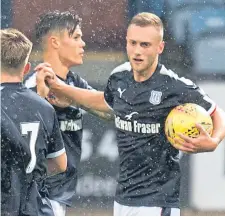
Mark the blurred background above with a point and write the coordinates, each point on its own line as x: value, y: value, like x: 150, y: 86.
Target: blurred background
x: 195, y: 48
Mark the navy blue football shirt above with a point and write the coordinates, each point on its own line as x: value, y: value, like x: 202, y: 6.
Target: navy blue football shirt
x: 29, y: 135
x: 62, y: 186
x: 149, y: 173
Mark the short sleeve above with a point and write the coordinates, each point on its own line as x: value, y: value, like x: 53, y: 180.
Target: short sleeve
x: 55, y: 145
x: 194, y: 94
x: 108, y: 93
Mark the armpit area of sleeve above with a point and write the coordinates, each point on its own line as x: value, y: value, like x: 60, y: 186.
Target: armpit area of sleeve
x: 56, y: 154
x: 107, y: 101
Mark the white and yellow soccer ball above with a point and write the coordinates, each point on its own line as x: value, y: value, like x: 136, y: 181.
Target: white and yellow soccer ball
x: 183, y: 119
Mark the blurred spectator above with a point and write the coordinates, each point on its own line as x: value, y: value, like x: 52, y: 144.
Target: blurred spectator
x: 6, y: 14
x: 152, y: 6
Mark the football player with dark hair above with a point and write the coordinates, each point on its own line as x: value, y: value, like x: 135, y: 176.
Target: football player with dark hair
x: 59, y: 35
x: 141, y: 93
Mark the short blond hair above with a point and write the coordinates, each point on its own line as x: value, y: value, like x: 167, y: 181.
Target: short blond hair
x: 147, y: 19
x: 15, y: 49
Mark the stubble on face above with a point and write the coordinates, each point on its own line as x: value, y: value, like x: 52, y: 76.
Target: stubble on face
x: 144, y: 67
x: 143, y: 48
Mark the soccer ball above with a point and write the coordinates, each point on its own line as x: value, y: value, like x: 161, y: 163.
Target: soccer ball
x: 183, y: 119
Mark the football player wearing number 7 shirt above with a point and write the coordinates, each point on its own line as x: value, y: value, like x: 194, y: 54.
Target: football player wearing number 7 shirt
x: 31, y: 141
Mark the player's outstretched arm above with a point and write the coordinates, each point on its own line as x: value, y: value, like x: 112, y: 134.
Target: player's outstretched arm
x: 62, y: 93
x: 62, y: 100
x: 109, y: 116
x: 89, y: 99
x: 205, y: 142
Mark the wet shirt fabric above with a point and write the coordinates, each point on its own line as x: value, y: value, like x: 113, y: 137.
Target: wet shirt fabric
x: 29, y: 135
x: 62, y: 187
x: 149, y: 172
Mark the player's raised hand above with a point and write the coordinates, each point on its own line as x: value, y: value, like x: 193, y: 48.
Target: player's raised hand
x: 42, y: 65
x: 203, y: 143
x: 54, y: 82
x: 46, y: 82
x: 43, y: 71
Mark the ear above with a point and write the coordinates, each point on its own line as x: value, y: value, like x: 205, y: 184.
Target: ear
x: 54, y: 42
x: 161, y: 47
x: 26, y: 69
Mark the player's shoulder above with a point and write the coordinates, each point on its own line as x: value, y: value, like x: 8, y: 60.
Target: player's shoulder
x: 37, y: 101
x: 30, y: 79
x: 174, y: 77
x: 72, y: 74
x: 121, y: 70
x: 74, y: 79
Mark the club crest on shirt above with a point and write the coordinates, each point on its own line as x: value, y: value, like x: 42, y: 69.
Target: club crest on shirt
x: 155, y: 97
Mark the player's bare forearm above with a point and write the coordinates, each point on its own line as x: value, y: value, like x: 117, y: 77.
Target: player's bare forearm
x: 90, y: 99
x: 108, y: 116
x: 218, y: 125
